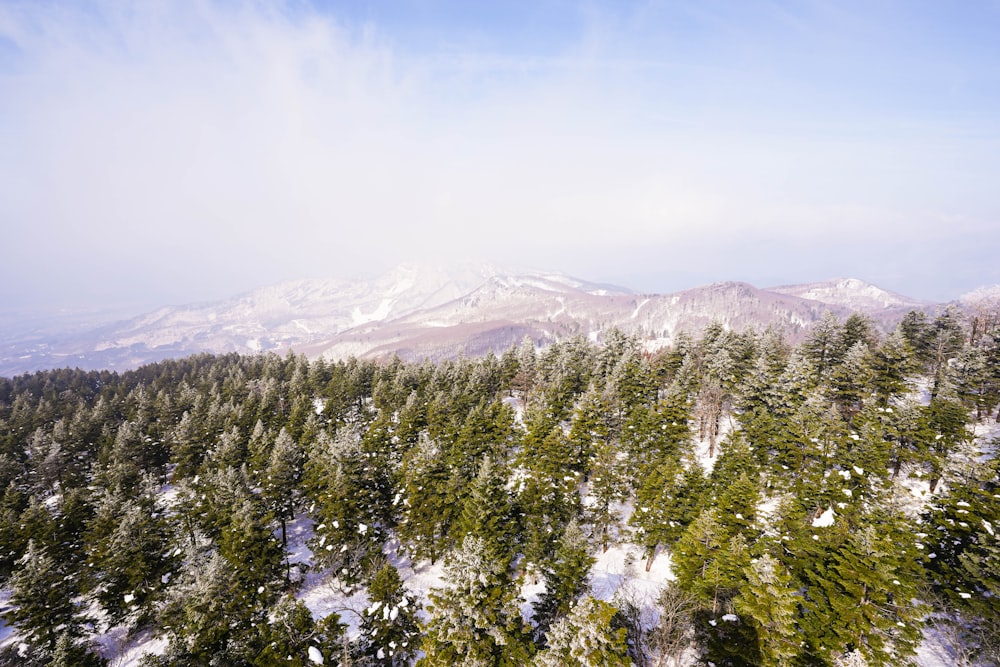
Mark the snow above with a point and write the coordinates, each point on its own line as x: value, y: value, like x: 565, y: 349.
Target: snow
x: 824, y: 520
x: 7, y: 635
x: 315, y: 656
x: 624, y: 565
x: 635, y: 313
x: 380, y: 313
x: 129, y: 652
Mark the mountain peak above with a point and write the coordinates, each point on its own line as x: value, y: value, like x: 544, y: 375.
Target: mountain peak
x: 852, y: 293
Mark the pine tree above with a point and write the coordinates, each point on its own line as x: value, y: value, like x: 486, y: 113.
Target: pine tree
x: 42, y: 600
x: 769, y: 602
x: 891, y: 365
x: 709, y: 562
x: 823, y: 345
x: 860, y: 595
x: 586, y: 638
x: 566, y: 577
x: 291, y: 636
x: 607, y: 486
x: 425, y: 513
x: 389, y: 632
x: 208, y: 613
x: 475, y: 619
x: 130, y: 551
x: 962, y: 531
x: 282, y: 480
x: 487, y: 512
x: 666, y: 503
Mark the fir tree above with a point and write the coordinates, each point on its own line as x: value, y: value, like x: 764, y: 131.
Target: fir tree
x: 389, y: 632
x: 475, y: 619
x: 43, y: 590
x: 586, y: 638
x: 131, y: 553
x: 769, y: 602
x: 291, y: 637
x: 566, y: 577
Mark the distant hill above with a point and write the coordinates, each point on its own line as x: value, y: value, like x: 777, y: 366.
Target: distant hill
x: 417, y: 311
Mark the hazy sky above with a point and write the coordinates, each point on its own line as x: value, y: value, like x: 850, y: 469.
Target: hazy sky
x: 165, y: 152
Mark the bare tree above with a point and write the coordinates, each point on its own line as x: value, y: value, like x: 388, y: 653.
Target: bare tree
x: 674, y: 632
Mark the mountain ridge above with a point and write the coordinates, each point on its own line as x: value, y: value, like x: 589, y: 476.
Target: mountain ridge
x: 421, y: 311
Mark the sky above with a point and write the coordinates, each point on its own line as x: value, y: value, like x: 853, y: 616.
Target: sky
x: 156, y: 152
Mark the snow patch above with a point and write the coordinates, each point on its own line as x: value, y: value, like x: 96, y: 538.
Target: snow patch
x: 824, y: 520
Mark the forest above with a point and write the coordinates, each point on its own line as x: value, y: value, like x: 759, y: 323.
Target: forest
x: 828, y: 502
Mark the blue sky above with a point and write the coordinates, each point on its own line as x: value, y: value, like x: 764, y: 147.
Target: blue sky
x: 165, y: 152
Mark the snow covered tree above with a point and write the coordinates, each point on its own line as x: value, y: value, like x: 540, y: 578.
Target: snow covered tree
x: 291, y: 637
x: 586, y: 638
x: 248, y: 543
x: 892, y: 365
x: 962, y: 533
x: 389, y: 632
x: 131, y: 552
x: 487, y: 511
x: 351, y: 498
x: 209, y: 615
x: 425, y: 511
x: 43, y: 606
x: 860, y: 593
x: 823, y: 347
x: 769, y: 602
x: 566, y: 577
x: 476, y: 619
x: 607, y: 486
x: 282, y: 483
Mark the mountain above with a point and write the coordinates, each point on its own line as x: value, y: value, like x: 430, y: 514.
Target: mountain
x: 270, y: 318
x: 851, y: 293
x: 505, y: 310
x: 417, y: 311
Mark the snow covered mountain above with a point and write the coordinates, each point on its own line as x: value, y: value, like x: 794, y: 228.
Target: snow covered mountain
x: 502, y: 312
x: 417, y: 311
x: 850, y: 293
x: 276, y: 317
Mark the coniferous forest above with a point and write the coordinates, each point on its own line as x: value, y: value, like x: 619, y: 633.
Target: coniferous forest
x: 830, y: 502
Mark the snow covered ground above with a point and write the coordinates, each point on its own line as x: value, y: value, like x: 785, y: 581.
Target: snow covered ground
x: 6, y: 632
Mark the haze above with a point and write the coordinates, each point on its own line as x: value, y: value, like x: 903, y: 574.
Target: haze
x: 169, y: 152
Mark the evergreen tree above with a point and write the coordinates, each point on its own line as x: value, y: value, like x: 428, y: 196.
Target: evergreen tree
x: 43, y: 591
x: 389, y: 632
x: 248, y: 543
x: 769, y: 602
x: 487, y: 512
x: 282, y: 483
x: 130, y: 551
x: 586, y: 637
x: 291, y: 637
x: 607, y: 486
x: 860, y: 595
x: 566, y: 577
x: 962, y: 528
x: 891, y: 365
x: 209, y: 614
x: 666, y: 503
x: 424, y: 507
x: 475, y: 619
